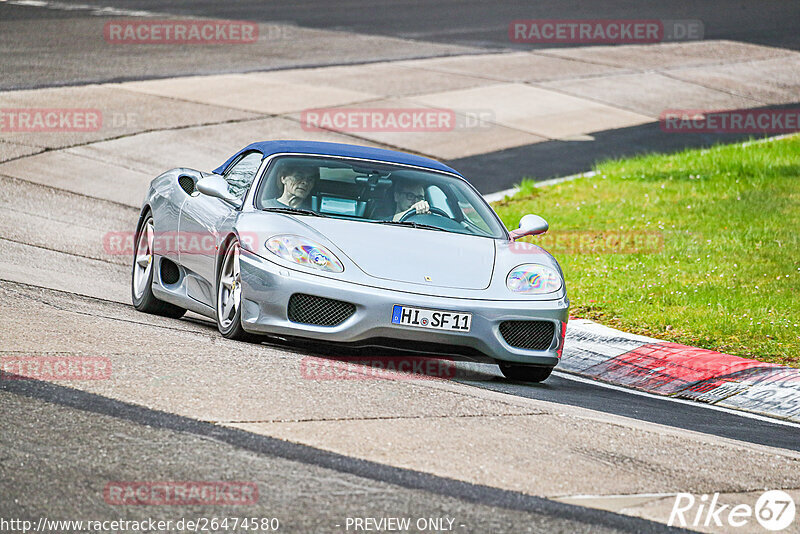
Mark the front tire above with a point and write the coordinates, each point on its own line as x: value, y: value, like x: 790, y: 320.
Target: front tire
x: 229, y: 296
x: 142, y: 275
x: 525, y: 373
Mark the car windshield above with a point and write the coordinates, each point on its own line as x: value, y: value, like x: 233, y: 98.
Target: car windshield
x: 376, y: 193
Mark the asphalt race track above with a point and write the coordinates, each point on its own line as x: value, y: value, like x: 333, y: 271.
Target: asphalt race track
x: 459, y: 27
x: 306, y: 488
x: 186, y: 404
x: 312, y: 33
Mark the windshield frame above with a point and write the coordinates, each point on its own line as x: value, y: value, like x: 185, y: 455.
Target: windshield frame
x: 250, y: 203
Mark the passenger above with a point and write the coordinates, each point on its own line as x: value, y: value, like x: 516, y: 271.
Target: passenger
x: 297, y: 182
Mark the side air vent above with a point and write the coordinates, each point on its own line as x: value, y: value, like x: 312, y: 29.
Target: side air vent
x: 170, y: 273
x: 319, y: 311
x: 531, y: 335
x: 186, y: 183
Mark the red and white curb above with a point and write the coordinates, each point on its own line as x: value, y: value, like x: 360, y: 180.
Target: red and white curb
x: 664, y: 368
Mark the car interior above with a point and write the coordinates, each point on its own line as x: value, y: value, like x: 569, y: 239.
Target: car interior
x: 366, y: 192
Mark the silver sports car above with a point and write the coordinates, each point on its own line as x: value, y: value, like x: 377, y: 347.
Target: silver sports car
x: 352, y: 245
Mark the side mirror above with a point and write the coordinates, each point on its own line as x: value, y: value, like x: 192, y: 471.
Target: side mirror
x: 529, y: 225
x: 216, y: 186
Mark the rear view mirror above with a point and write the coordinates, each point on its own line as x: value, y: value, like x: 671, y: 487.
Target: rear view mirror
x: 529, y: 225
x: 216, y: 186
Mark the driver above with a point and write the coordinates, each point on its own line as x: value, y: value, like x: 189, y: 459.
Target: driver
x: 297, y: 182
x: 410, y: 196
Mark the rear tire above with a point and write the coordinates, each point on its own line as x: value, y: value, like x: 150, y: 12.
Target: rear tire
x: 142, y: 275
x: 525, y: 373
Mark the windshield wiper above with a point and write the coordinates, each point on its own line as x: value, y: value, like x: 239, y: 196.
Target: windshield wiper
x: 412, y: 225
x: 295, y: 211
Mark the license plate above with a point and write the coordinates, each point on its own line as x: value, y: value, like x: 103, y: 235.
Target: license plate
x: 434, y: 319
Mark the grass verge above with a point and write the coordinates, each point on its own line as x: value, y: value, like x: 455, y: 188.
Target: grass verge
x: 700, y: 247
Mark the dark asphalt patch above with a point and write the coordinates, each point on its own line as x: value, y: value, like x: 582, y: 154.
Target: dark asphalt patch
x: 485, y: 24
x: 697, y: 418
x: 501, y: 170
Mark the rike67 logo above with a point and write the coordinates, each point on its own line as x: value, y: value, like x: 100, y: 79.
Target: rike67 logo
x: 774, y: 511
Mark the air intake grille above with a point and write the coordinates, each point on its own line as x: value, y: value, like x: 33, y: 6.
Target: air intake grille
x: 186, y: 183
x: 534, y: 335
x: 309, y: 309
x: 169, y: 271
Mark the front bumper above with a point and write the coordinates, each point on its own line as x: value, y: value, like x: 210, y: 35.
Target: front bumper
x: 267, y: 287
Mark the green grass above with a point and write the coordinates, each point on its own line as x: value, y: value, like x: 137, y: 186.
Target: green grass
x: 727, y: 277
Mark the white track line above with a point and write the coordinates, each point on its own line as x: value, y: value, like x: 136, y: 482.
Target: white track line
x: 500, y: 195
x: 616, y: 496
x: 749, y: 415
x: 93, y: 10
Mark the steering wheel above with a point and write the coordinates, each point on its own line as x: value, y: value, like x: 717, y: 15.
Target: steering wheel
x: 431, y: 209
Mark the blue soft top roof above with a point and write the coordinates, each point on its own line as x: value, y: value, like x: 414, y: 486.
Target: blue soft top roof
x: 338, y: 149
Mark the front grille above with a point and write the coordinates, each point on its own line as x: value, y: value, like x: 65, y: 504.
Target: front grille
x: 310, y: 309
x: 533, y: 335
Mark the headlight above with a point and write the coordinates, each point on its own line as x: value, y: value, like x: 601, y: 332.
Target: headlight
x: 533, y: 278
x: 304, y: 251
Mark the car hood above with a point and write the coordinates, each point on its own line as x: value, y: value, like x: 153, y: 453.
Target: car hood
x: 413, y: 255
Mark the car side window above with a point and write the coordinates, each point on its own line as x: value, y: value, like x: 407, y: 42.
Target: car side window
x: 241, y: 174
x: 468, y: 212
